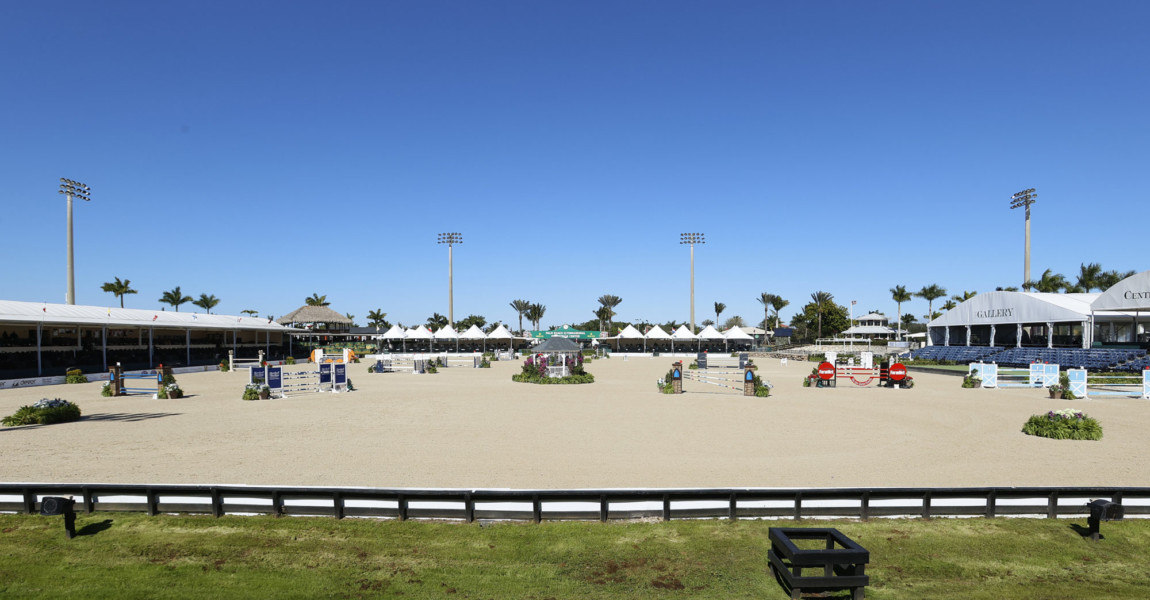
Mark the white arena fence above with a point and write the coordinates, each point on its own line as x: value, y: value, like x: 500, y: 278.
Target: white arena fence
x: 583, y: 504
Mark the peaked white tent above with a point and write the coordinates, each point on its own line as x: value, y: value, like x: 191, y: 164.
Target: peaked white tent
x: 657, y: 333
x: 446, y: 333
x: 501, y: 333
x: 735, y: 334
x: 474, y: 333
x: 395, y: 333
x: 710, y: 333
x: 682, y: 334
x: 630, y: 333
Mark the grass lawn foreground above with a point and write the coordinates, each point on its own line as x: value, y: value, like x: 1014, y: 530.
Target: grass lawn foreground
x: 120, y: 555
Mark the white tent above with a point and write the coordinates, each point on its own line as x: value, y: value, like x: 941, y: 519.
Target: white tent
x: 446, y: 333
x: 630, y: 333
x: 657, y: 333
x: 735, y: 333
x: 501, y: 333
x: 682, y: 334
x: 1130, y: 294
x: 474, y: 333
x: 395, y: 333
x: 710, y: 333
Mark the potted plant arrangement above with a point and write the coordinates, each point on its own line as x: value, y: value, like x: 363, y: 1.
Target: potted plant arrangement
x: 170, y: 391
x: 1062, y: 389
x: 256, y: 391
x: 971, y: 380
x: 1065, y: 424
x: 44, y: 412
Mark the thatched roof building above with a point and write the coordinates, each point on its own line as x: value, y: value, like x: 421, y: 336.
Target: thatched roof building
x: 316, y: 314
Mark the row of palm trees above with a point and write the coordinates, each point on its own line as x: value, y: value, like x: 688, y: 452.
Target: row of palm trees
x: 533, y: 311
x: 1090, y: 277
x: 174, y: 297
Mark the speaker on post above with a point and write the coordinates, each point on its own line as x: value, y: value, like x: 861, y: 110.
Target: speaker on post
x: 56, y: 505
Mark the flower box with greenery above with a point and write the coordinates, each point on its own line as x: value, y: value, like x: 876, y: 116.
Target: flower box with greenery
x: 289, y: 360
x: 44, y: 412
x: 1065, y: 424
x: 224, y: 366
x: 256, y: 391
x: 106, y: 391
x: 75, y: 376
x: 1061, y: 391
x: 971, y: 380
x: 170, y: 391
x: 535, y: 371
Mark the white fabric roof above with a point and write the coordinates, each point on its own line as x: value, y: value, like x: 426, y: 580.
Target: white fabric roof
x: 446, y: 333
x: 1000, y: 308
x: 735, y: 333
x: 395, y: 333
x: 419, y: 333
x: 868, y: 330
x: 500, y: 333
x: 629, y: 333
x: 682, y: 333
x: 14, y: 311
x: 872, y: 317
x: 710, y: 333
x: 657, y: 333
x: 1130, y: 294
x: 473, y: 333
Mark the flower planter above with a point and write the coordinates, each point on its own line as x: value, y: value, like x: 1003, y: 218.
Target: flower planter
x: 1056, y: 393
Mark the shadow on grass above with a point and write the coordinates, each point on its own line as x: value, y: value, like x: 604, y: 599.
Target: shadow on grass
x: 94, y: 528
x: 1085, y: 531
x: 128, y: 416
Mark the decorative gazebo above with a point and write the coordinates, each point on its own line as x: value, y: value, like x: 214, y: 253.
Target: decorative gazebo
x: 558, y: 350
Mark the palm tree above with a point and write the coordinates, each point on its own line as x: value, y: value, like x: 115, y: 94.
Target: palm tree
x: 931, y: 293
x: 376, y: 318
x: 118, y: 288
x: 521, y: 307
x: 604, y: 314
x: 949, y: 304
x: 437, y: 321
x: 535, y: 314
x: 964, y: 297
x: 719, y: 308
x: 175, y: 297
x: 317, y: 300
x: 1109, y: 278
x: 1009, y: 288
x: 1049, y: 283
x: 767, y: 300
x: 250, y: 312
x: 899, y: 294
x: 351, y: 317
x: 822, y: 302
x: 609, y: 301
x: 207, y: 302
x: 778, y: 304
x: 1088, y: 276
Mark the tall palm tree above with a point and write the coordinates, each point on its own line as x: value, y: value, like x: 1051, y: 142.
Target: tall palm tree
x: 317, y: 300
x: 778, y: 304
x: 175, y: 297
x: 437, y: 321
x: 930, y: 293
x: 949, y: 304
x: 1088, y: 276
x: 604, y: 314
x: 207, y: 302
x: 376, y: 318
x: 719, y: 308
x: 1109, y: 278
x: 521, y: 307
x: 965, y: 296
x: 250, y: 312
x: 118, y: 288
x: 767, y: 300
x: 351, y: 317
x: 899, y: 294
x: 610, y: 302
x: 822, y: 302
x: 535, y: 314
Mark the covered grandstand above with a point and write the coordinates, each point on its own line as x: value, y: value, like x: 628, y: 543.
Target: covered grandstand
x: 40, y: 339
x: 1098, y: 331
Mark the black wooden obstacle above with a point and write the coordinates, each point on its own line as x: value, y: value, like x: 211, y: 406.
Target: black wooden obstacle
x: 841, y: 562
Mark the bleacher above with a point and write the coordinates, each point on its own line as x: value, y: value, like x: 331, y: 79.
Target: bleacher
x: 958, y: 354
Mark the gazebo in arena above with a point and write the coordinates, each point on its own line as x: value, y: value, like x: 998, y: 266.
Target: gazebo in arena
x: 558, y: 350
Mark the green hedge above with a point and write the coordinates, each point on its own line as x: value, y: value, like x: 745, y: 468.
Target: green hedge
x: 44, y: 412
x: 1065, y: 424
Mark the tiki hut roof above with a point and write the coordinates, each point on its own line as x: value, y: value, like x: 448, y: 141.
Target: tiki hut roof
x: 313, y: 314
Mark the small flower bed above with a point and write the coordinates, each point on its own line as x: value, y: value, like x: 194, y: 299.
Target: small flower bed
x: 1065, y: 424
x: 75, y: 376
x: 170, y: 391
x: 535, y: 371
x: 44, y: 412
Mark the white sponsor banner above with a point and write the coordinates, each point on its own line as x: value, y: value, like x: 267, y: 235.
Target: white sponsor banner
x: 7, y: 384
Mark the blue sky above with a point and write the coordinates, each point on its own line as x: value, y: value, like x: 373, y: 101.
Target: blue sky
x: 265, y: 151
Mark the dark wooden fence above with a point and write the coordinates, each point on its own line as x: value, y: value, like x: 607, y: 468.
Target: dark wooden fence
x: 602, y: 505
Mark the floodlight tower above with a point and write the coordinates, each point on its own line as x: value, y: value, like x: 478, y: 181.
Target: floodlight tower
x: 692, y: 239
x: 450, y: 239
x: 72, y: 188
x: 1024, y: 199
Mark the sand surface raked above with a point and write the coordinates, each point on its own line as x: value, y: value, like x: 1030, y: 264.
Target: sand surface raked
x: 467, y: 427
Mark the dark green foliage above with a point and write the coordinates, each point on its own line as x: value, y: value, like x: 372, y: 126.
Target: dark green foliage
x: 44, y: 412
x: 75, y: 376
x: 1066, y: 424
x: 224, y: 368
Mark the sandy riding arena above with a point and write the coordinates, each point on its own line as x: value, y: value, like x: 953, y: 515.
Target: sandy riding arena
x: 466, y: 427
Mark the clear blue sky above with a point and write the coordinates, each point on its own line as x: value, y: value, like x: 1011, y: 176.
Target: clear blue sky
x: 263, y: 151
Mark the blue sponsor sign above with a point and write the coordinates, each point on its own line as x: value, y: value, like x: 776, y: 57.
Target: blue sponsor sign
x: 258, y: 375
x: 340, y: 374
x: 324, y: 373
x: 275, y: 378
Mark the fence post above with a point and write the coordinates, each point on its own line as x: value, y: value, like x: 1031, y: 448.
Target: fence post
x: 217, y: 503
x: 337, y: 504
x: 402, y: 507
x: 1052, y: 505
x: 798, y: 506
x: 864, y: 509
x: 89, y: 504
x: 277, y: 504
x: 536, y: 508
x: 153, y: 500
x: 469, y: 507
x: 926, y: 505
x: 29, y: 501
x: 732, y: 511
x: 666, y: 507
x: 603, y: 508
x: 991, y: 503
x: 231, y: 360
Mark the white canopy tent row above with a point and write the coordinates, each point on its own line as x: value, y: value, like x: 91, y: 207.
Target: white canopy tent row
x: 1035, y: 319
x: 446, y: 335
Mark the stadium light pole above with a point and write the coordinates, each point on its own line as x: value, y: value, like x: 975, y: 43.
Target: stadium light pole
x: 78, y: 190
x: 692, y: 239
x: 450, y: 239
x: 1024, y: 199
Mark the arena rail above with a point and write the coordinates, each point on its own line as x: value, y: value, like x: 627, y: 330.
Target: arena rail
x: 583, y: 504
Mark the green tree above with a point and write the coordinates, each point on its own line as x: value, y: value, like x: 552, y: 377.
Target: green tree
x: 735, y: 321
x: 604, y: 314
x: 175, y: 298
x: 778, y: 303
x: 1049, y: 283
x: 930, y: 293
x: 1109, y: 278
x: 521, y: 307
x: 822, y: 302
x: 317, y: 300
x: 768, y: 302
x: 377, y: 319
x: 535, y: 314
x: 207, y: 302
x: 119, y: 289
x: 351, y: 317
x: 250, y: 312
x: 466, y: 324
x: 1089, y: 276
x: 899, y: 294
x: 437, y: 321
x: 610, y: 302
x: 949, y: 304
x: 719, y: 308
x: 821, y: 312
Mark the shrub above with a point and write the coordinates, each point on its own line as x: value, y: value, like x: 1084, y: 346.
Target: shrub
x: 431, y: 368
x: 289, y: 360
x: 252, y: 391
x: 169, y: 379
x: 762, y: 390
x: 693, y: 365
x: 970, y: 380
x: 666, y: 384
x: 485, y: 363
x: 75, y: 376
x: 820, y: 357
x: 1065, y: 424
x: 44, y: 412
x: 170, y: 391
x: 106, y: 391
x: 224, y: 366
